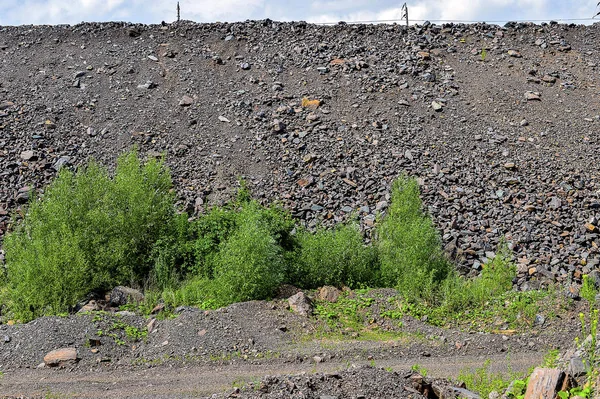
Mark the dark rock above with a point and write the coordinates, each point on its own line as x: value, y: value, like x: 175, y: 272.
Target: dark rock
x: 120, y: 296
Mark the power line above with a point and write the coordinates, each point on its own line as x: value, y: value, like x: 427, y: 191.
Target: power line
x: 455, y: 21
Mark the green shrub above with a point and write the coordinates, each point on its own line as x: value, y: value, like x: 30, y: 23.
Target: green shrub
x: 333, y: 257
x: 189, y: 249
x: 89, y: 232
x: 250, y: 264
x: 409, y: 246
x: 495, y: 279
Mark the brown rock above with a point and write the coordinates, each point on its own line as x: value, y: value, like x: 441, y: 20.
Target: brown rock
x: 544, y: 383
x: 151, y: 326
x: 61, y: 356
x: 91, y: 306
x: 591, y: 228
x: 28, y: 155
x: 158, y: 308
x: 328, y: 293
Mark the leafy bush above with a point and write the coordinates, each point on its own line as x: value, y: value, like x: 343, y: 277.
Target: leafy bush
x: 89, y: 232
x: 333, y: 257
x: 190, y: 248
x: 250, y: 264
x: 495, y: 279
x: 409, y: 246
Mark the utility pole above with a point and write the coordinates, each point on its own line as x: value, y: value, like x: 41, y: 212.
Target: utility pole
x: 178, y: 12
x: 405, y: 13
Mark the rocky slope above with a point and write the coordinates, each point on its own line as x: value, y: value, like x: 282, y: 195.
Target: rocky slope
x: 503, y: 142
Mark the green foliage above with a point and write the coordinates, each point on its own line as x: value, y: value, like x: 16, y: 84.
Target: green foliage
x: 589, y: 291
x: 92, y: 231
x: 417, y: 368
x: 483, y: 381
x: 135, y: 334
x: 495, y: 279
x: 589, y: 329
x: 583, y: 392
x: 347, y: 311
x: 89, y: 232
x: 409, y: 246
x: 551, y: 358
x: 333, y: 257
x: 250, y: 264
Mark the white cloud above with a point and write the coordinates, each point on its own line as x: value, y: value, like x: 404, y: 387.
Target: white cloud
x: 208, y: 11
x: 16, y: 12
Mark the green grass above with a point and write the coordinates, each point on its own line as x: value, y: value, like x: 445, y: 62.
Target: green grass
x: 483, y: 381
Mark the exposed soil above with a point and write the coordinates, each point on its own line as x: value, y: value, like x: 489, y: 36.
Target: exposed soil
x: 199, y: 353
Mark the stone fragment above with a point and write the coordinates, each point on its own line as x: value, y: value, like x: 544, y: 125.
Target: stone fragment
x: 278, y: 126
x: 532, y: 96
x: 146, y: 86
x: 28, y: 155
x: 186, y: 101
x: 151, y: 326
x: 437, y: 106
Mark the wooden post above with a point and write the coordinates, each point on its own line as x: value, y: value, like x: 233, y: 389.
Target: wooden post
x: 405, y: 13
x: 178, y: 12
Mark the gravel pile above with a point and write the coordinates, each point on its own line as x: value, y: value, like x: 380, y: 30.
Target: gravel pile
x: 362, y: 382
x: 323, y: 119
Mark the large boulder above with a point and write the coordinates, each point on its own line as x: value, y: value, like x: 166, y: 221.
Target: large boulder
x: 120, y: 296
x: 328, y: 293
x: 59, y: 357
x: 301, y: 304
x: 544, y: 383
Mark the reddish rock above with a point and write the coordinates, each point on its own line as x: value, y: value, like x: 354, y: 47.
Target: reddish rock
x: 328, y: 293
x: 61, y: 356
x: 544, y: 383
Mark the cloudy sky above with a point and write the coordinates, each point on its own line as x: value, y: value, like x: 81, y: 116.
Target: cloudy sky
x: 18, y: 12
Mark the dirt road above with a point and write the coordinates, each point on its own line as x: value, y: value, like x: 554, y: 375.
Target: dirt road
x: 200, y: 381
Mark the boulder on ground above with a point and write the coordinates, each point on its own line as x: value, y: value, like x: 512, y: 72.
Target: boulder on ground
x: 328, y: 293
x: 120, y: 296
x: 60, y: 356
x: 301, y: 304
x: 544, y: 383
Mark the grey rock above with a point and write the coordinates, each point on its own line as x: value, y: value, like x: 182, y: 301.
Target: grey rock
x: 120, y: 296
x: 301, y: 304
